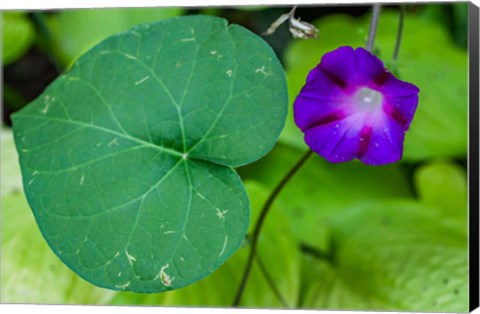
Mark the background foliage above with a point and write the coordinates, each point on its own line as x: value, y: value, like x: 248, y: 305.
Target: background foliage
x: 340, y: 236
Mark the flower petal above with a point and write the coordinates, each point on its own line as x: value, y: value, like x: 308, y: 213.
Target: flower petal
x: 401, y: 109
x: 390, y: 86
x: 369, y: 67
x: 337, y: 141
x: 340, y: 66
x: 385, y: 143
x: 319, y: 101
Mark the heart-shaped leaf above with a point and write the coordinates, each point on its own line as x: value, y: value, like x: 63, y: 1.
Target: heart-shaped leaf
x: 127, y: 159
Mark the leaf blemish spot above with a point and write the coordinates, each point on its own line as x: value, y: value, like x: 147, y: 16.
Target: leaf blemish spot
x: 169, y: 232
x: 164, y: 278
x: 130, y: 258
x: 229, y: 72
x: 224, y: 246
x: 262, y: 70
x: 129, y: 56
x: 47, y: 99
x: 45, y: 109
x: 82, y: 178
x: 221, y: 213
x: 142, y: 80
x: 123, y: 286
x: 113, y: 142
x: 184, y: 156
x: 212, y: 52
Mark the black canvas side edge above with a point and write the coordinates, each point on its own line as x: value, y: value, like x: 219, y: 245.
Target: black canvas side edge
x: 474, y: 236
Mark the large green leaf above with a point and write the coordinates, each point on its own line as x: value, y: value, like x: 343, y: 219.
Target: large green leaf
x: 76, y: 31
x: 393, y: 256
x: 126, y: 160
x: 428, y: 58
x: 17, y: 35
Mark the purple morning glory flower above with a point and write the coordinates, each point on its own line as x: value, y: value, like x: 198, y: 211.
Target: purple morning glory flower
x: 353, y: 108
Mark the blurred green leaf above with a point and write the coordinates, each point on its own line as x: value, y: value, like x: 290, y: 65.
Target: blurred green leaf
x: 460, y: 19
x: 76, y: 31
x: 251, y: 7
x: 323, y: 288
x: 394, y: 256
x: 439, y: 128
x: 320, y: 188
x: 437, y: 13
x: 28, y: 266
x: 11, y: 178
x: 443, y: 185
x: 219, y: 289
x: 428, y: 59
x: 18, y: 34
x: 453, y: 16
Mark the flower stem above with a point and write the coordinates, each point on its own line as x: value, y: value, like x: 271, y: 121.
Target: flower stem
x: 260, y: 221
x: 271, y: 283
x: 43, y: 29
x: 399, y: 34
x: 373, y: 26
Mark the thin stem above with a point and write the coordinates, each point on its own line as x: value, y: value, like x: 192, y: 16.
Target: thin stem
x: 399, y: 33
x: 261, y: 219
x: 373, y: 26
x: 41, y: 23
x: 292, y: 11
x: 271, y: 283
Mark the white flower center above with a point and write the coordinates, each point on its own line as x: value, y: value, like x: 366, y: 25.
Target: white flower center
x: 368, y: 99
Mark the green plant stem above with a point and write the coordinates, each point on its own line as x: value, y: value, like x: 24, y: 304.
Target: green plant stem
x: 43, y: 29
x: 373, y: 26
x: 271, y: 283
x: 399, y: 34
x: 260, y: 221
